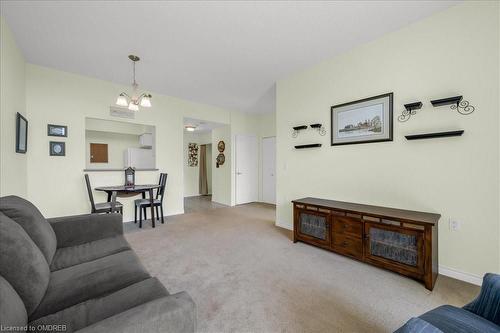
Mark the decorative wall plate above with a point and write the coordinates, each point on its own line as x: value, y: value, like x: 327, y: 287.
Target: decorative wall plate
x: 220, y: 160
x: 221, y: 146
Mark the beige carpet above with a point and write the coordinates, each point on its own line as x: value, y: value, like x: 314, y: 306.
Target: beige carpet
x: 246, y: 275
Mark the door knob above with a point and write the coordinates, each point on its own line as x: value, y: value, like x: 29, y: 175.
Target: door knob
x: 239, y: 173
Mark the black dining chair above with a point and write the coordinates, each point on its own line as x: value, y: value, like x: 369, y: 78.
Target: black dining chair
x: 143, y: 204
x: 104, y: 207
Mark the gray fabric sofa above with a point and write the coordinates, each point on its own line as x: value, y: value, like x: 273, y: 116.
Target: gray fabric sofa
x: 79, y: 274
x: 482, y: 315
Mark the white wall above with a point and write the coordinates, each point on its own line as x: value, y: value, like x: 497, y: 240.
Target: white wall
x: 209, y: 165
x: 116, y: 126
x: 12, y: 100
x: 454, y: 52
x: 222, y: 176
x: 117, y: 143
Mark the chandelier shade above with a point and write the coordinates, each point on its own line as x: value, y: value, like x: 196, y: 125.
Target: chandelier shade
x: 146, y: 101
x: 122, y: 100
x: 133, y: 102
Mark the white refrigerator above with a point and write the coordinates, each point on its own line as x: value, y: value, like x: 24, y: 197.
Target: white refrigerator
x: 139, y: 158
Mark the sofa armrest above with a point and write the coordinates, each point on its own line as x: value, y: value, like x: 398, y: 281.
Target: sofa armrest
x: 487, y: 303
x: 80, y: 229
x: 174, y: 313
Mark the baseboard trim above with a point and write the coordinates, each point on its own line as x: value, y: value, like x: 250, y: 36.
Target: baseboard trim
x: 462, y: 276
x: 284, y: 225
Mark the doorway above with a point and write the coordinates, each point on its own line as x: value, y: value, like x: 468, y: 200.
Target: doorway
x: 199, y: 165
x: 246, y: 178
x: 269, y: 170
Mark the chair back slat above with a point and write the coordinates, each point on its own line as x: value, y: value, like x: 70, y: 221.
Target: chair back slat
x: 163, y: 184
x: 158, y: 190
x: 89, y: 190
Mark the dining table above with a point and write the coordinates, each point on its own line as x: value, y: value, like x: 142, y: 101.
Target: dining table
x: 129, y: 191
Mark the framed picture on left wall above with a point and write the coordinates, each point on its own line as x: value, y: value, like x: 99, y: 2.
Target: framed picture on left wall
x: 57, y: 130
x: 21, y: 134
x: 57, y: 148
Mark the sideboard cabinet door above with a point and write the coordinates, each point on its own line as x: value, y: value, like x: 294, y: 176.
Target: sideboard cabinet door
x: 394, y: 247
x: 313, y: 226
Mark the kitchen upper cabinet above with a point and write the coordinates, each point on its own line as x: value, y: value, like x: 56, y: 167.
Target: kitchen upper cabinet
x: 146, y: 140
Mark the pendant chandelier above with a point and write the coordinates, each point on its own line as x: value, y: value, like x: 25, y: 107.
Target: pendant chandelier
x: 133, y: 102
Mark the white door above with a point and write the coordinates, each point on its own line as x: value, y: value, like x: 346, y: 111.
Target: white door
x: 269, y: 170
x: 246, y: 169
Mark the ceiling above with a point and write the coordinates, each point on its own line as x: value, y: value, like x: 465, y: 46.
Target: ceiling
x: 201, y: 126
x: 227, y: 54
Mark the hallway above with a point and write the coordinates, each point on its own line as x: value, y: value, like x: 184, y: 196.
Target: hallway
x: 200, y: 203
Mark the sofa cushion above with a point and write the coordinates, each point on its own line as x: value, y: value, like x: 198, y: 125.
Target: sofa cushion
x: 79, y: 283
x: 450, y: 319
x: 22, y: 263
x: 74, y: 255
x: 12, y: 309
x: 417, y: 325
x: 487, y: 304
x: 36, y: 226
x: 97, y: 309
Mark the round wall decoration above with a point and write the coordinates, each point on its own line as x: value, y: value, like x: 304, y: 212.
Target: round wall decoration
x: 220, y: 160
x: 221, y: 146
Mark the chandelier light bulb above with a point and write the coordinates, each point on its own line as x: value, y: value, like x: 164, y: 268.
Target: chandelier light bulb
x: 122, y: 100
x: 133, y: 107
x: 146, y: 101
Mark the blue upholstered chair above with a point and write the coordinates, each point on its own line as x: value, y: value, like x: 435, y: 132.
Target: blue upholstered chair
x: 480, y: 316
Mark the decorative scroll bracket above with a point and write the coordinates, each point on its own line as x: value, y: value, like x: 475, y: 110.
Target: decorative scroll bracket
x: 463, y: 107
x: 410, y: 110
x: 456, y: 103
x: 297, y: 129
x: 319, y: 127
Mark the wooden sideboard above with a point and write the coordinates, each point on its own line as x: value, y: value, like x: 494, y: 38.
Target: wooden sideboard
x: 402, y: 241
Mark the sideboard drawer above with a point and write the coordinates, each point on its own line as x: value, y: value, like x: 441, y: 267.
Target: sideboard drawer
x: 348, y: 246
x: 347, y: 226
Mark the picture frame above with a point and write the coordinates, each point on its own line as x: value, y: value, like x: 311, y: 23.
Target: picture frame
x: 57, y: 148
x: 21, y: 134
x: 193, y: 154
x: 57, y: 130
x: 363, y: 121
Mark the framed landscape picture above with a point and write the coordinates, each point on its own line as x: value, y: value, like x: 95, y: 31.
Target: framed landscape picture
x: 362, y: 121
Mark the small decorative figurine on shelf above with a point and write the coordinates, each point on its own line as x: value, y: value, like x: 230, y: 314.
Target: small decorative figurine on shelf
x: 129, y: 177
